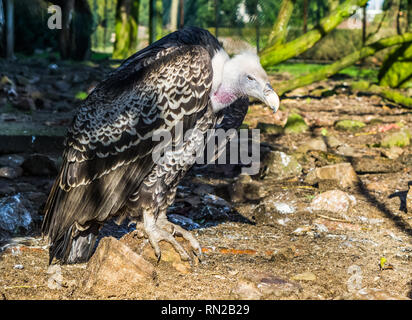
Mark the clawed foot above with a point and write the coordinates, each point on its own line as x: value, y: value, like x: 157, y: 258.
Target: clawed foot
x: 162, y: 229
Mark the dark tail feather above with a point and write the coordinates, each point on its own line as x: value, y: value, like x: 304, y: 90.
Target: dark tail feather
x: 79, y: 249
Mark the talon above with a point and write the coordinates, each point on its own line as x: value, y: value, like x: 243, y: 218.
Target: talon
x: 162, y: 229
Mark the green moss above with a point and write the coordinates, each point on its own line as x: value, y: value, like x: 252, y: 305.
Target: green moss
x: 295, y: 124
x: 349, y: 125
x: 397, y: 69
x: 81, y: 95
x: 400, y: 138
x: 269, y: 128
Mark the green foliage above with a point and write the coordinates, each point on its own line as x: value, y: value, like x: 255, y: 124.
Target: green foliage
x: 81, y: 95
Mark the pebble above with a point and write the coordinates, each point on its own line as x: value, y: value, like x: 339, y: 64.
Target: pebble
x: 341, y: 174
x: 11, y: 160
x: 10, y: 172
x: 245, y: 290
x: 306, y: 276
x: 279, y: 166
x: 335, y: 201
x: 313, y: 144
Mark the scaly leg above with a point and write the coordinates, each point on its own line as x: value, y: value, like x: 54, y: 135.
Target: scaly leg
x: 160, y: 229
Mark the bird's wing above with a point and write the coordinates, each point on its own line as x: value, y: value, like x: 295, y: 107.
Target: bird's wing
x: 109, y: 144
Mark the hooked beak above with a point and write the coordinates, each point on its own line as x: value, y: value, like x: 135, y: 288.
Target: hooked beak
x: 270, y: 97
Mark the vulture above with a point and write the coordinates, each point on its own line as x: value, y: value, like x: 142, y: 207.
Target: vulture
x: 108, y: 169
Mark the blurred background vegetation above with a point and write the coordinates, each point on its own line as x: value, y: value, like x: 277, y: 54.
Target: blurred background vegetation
x: 236, y: 19
x: 315, y: 31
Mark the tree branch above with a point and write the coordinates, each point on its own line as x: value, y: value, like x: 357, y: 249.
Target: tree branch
x: 347, y: 61
x: 276, y: 54
x: 280, y: 28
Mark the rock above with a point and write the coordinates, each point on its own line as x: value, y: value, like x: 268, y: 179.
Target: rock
x: 342, y: 175
x: 116, y: 269
x: 401, y: 138
x: 331, y: 225
x: 295, y: 124
x: 306, y: 276
x: 6, y: 189
x: 39, y: 165
x: 61, y: 85
x: 376, y: 186
x: 4, y: 80
x: 203, y: 189
x: 373, y: 294
x: 246, y: 290
x: 301, y: 231
x: 11, y: 160
x: 376, y: 165
x: 346, y: 150
x: 169, y: 255
x: 349, y: 125
x: 25, y: 104
x: 14, y: 215
x: 284, y: 208
x: 393, y: 152
x: 269, y: 128
x: 10, y: 172
x: 279, y: 166
x: 335, y: 201
x: 313, y: 144
x: 244, y: 188
x: 326, y: 158
x: 22, y: 81
x: 183, y: 221
x: 333, y: 142
x: 409, y: 200
x: 271, y: 286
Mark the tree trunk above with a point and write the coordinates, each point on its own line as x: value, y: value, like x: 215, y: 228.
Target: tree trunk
x: 305, y: 16
x: 96, y: 39
x: 81, y: 31
x: 280, y: 29
x: 2, y: 26
x: 159, y: 19
x: 216, y: 18
x: 105, y: 19
x: 152, y: 19
x: 364, y: 21
x: 276, y: 54
x: 10, y: 29
x: 181, y: 14
x: 126, y: 27
x: 347, y: 61
x: 173, y: 15
x: 398, y: 18
x: 64, y: 36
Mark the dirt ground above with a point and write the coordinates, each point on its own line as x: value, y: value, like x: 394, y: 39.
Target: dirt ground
x: 297, y: 254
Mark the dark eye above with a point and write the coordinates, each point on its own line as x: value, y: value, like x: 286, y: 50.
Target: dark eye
x: 250, y: 78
